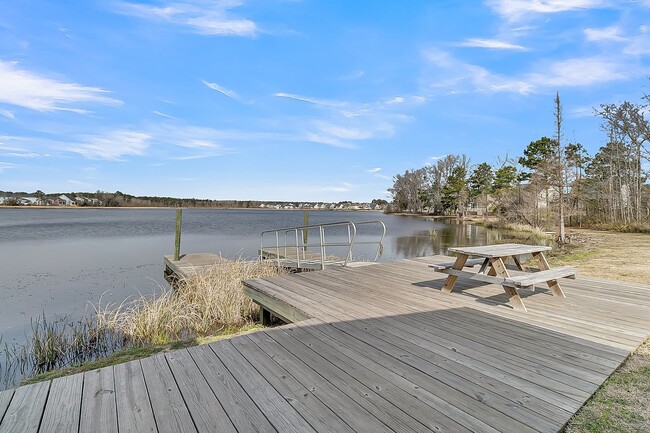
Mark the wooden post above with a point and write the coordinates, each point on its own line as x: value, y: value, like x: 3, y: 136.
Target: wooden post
x: 177, y: 243
x: 305, y: 220
x: 265, y: 316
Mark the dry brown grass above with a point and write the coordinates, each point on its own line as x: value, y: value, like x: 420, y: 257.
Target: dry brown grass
x: 611, y: 255
x: 523, y: 232
x: 622, y: 404
x: 199, y: 305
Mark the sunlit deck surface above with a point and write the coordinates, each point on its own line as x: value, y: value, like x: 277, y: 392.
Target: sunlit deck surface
x: 383, y: 350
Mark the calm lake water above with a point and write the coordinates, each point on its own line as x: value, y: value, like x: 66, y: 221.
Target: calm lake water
x: 59, y: 262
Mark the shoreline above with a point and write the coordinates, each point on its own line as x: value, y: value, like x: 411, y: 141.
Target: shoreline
x: 176, y: 207
x: 471, y: 218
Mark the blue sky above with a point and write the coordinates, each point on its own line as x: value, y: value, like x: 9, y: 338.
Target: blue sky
x: 298, y: 100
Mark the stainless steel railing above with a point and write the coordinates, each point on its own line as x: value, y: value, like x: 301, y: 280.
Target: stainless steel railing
x: 291, y: 246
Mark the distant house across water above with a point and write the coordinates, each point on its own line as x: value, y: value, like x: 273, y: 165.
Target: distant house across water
x: 66, y: 200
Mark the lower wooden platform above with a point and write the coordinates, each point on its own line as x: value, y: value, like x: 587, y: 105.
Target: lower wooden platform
x: 189, y: 264
x: 378, y: 348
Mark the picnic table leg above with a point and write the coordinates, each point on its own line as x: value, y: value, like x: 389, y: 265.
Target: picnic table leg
x: 519, y: 265
x: 501, y: 270
x: 553, y: 285
x: 451, y: 279
x: 484, y: 266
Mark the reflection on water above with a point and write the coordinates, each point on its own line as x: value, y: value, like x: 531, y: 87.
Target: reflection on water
x: 438, y: 240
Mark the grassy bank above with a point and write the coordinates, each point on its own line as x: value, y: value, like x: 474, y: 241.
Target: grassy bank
x: 622, y: 404
x: 205, y: 307
x: 139, y: 352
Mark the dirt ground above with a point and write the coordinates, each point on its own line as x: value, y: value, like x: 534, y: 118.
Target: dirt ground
x: 622, y: 404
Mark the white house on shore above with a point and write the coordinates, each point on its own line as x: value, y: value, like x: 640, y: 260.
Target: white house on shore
x: 66, y: 200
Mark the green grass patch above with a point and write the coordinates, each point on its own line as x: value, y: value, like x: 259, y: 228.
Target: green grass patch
x: 142, y: 352
x: 116, y: 358
x: 621, y: 404
x: 570, y: 254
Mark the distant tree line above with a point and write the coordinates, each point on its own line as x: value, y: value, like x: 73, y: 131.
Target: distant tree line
x: 120, y: 199
x: 550, y: 183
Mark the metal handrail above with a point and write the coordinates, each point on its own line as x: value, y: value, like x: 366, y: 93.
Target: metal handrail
x: 294, y: 238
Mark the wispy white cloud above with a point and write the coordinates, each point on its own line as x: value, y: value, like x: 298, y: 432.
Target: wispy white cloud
x: 632, y: 44
x: 6, y: 166
x: 207, y: 17
x: 344, y: 133
x: 195, y: 143
x: 582, y: 72
x: 111, y: 146
x: 639, y: 45
x: 65, y: 31
x: 582, y: 111
x: 164, y: 115
x: 344, y: 187
x: 612, y: 33
x: 396, y: 100
x: 354, y: 75
x: 346, y: 123
x: 376, y: 172
x: 8, y: 114
x: 435, y: 158
x: 348, y: 133
x: 24, y: 155
x: 458, y: 76
x: 227, y: 92
x: 491, y: 44
x: 27, y: 89
x: 188, y: 142
x: 323, y: 138
x: 310, y: 100
x: 515, y: 10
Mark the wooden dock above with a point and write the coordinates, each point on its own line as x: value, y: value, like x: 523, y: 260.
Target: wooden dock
x: 189, y: 264
x: 383, y: 349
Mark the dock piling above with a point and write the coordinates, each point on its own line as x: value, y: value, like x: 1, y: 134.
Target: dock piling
x: 177, y: 242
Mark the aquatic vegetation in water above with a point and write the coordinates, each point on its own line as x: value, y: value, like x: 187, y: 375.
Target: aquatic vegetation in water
x: 204, y: 304
x: 58, y: 343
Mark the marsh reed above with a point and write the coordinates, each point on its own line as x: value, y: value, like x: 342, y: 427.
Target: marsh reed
x: 204, y: 304
x: 199, y: 305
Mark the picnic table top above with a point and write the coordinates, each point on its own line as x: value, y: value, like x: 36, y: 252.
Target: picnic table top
x: 500, y: 250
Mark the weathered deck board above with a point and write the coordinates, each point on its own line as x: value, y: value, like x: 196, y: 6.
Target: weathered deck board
x: 5, y: 399
x: 243, y: 413
x: 405, y: 399
x: 98, y: 405
x: 134, y: 412
x: 376, y: 348
x: 189, y: 264
x: 503, y: 347
x: 275, y: 407
x: 63, y: 408
x: 315, y: 411
x: 204, y: 406
x: 26, y: 408
x: 172, y: 415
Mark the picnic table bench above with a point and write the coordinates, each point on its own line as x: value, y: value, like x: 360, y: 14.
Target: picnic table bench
x: 493, y: 269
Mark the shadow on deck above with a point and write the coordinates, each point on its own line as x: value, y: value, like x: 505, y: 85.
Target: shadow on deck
x: 378, y: 349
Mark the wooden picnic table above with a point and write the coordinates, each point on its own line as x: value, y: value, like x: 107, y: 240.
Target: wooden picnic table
x: 493, y: 269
